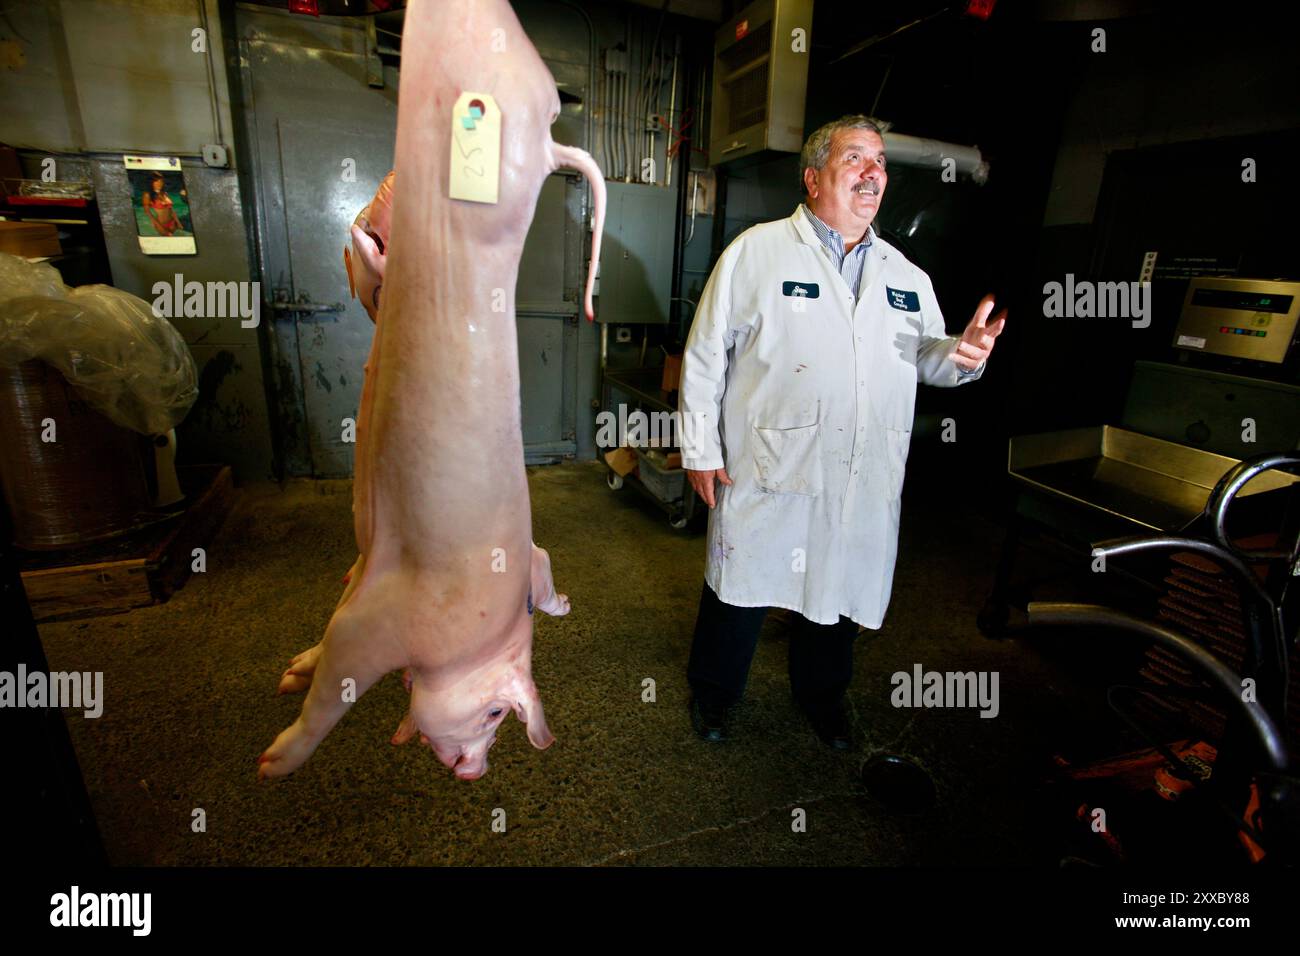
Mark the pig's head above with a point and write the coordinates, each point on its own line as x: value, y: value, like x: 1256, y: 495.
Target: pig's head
x: 459, y: 723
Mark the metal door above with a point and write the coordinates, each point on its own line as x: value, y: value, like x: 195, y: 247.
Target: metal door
x: 322, y: 138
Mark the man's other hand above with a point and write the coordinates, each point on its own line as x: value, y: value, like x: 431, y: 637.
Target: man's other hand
x: 702, y: 483
x: 977, y: 341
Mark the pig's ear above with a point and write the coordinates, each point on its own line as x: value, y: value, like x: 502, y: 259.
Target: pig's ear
x: 365, y: 246
x: 347, y: 264
x: 528, y: 708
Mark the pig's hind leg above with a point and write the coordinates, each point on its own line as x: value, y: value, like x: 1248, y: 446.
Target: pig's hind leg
x: 353, y: 656
x: 543, y: 594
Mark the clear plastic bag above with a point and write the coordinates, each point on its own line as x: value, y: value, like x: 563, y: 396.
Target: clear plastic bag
x: 129, y: 364
x: 20, y: 277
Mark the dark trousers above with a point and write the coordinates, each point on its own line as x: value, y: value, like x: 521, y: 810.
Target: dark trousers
x: 821, y: 655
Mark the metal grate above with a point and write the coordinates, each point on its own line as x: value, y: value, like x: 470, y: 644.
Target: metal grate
x: 747, y: 100
x: 747, y: 92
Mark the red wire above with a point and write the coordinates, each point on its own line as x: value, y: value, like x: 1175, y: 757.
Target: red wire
x: 678, y: 132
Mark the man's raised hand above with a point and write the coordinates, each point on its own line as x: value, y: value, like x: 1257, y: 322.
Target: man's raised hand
x: 977, y: 341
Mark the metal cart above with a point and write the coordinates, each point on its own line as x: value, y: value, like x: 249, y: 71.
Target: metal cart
x: 639, y: 389
x: 1253, y: 784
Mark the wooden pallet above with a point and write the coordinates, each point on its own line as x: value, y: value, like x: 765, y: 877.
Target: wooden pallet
x: 137, y: 569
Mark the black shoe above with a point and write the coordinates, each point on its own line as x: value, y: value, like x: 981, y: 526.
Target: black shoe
x: 832, y: 726
x: 709, y: 720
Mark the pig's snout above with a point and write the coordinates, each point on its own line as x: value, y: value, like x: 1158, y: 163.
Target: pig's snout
x: 470, y: 768
x: 466, y: 765
x: 464, y: 772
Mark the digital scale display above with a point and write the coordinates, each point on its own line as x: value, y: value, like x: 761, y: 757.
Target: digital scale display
x: 1242, y: 300
x: 1251, y: 319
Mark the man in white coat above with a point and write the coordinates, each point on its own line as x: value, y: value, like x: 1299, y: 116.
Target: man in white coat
x: 797, y: 394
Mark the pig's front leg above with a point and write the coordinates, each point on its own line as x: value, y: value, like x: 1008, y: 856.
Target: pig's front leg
x: 297, y: 677
x: 365, y: 258
x: 357, y: 651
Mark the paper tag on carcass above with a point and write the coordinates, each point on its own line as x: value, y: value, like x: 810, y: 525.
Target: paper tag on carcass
x: 475, y: 148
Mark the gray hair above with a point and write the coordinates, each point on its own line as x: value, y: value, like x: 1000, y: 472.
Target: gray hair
x: 817, y: 150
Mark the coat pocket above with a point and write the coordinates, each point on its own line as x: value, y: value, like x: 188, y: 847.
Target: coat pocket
x: 897, y: 443
x: 788, y: 461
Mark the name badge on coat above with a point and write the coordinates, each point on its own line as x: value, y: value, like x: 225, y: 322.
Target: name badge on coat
x: 902, y: 299
x: 807, y: 290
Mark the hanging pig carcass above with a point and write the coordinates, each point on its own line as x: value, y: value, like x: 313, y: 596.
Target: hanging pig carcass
x: 447, y: 576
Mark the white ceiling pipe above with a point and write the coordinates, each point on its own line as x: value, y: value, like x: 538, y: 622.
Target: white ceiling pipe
x: 931, y: 153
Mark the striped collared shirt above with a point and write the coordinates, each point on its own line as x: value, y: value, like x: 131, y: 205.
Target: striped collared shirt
x: 850, y: 265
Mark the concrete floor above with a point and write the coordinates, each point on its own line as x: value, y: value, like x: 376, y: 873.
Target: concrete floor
x: 190, y: 703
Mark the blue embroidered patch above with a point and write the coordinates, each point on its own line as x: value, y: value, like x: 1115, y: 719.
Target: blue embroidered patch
x: 902, y: 299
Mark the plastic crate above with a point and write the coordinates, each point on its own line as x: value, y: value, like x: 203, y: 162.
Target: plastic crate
x: 666, y: 484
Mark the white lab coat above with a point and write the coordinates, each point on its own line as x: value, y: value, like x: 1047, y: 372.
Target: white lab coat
x: 808, y: 402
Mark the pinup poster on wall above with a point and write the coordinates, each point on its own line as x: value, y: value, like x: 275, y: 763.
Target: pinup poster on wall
x: 161, y: 205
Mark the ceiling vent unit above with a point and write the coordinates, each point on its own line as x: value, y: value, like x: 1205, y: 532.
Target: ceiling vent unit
x: 760, y: 81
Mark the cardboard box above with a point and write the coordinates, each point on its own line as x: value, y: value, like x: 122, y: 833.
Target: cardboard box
x: 29, y: 239
x: 622, y: 461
